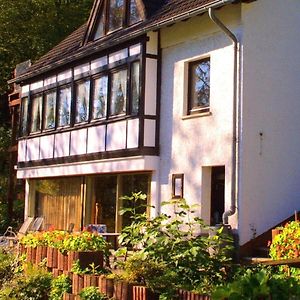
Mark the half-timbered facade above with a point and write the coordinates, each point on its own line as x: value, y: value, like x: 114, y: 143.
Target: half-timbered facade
x: 154, y: 96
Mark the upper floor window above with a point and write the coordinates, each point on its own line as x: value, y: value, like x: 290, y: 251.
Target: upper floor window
x: 82, y: 101
x: 64, y: 106
x: 118, y: 93
x: 115, y: 14
x: 50, y: 107
x: 199, y: 86
x: 36, y: 120
x: 99, y: 97
x: 24, y: 116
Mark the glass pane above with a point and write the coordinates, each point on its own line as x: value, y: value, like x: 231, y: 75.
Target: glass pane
x: 116, y: 11
x: 100, y: 97
x: 50, y: 110
x: 200, y: 84
x: 64, y: 108
x: 82, y: 101
x: 135, y: 87
x: 24, y: 119
x: 36, y: 118
x: 100, y: 29
x: 134, y: 13
x: 118, y: 93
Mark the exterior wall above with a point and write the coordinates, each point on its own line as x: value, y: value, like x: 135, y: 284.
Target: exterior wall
x: 188, y: 143
x: 270, y: 146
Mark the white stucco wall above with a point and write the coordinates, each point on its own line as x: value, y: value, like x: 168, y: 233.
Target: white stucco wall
x: 189, y: 144
x: 270, y: 188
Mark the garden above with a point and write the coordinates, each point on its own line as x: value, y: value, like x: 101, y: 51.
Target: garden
x: 172, y: 256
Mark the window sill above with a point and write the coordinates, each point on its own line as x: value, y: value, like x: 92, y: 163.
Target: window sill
x: 198, y: 115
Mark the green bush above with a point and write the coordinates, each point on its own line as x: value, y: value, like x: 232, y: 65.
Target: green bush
x: 59, y: 286
x: 91, y: 293
x: 7, y: 262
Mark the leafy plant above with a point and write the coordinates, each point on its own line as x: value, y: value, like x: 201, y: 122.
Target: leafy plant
x: 59, y: 286
x: 91, y: 293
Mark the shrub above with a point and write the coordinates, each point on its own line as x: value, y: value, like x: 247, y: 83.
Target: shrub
x: 7, y: 262
x: 59, y: 286
x: 91, y: 293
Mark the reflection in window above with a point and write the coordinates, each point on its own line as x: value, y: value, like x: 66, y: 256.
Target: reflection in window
x: 134, y: 13
x: 118, y: 93
x: 24, y: 119
x: 116, y: 12
x: 100, y: 97
x: 82, y: 101
x: 199, y: 85
x: 36, y: 120
x: 50, y: 105
x: 64, y: 107
x: 100, y: 29
x: 135, y: 87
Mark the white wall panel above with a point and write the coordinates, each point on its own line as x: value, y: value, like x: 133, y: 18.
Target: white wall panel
x: 47, y: 145
x: 149, y: 137
x: 135, y: 49
x: 119, y: 55
x: 62, y: 144
x: 151, y: 86
x: 78, y: 142
x: 49, y: 80
x: 81, y: 69
x: 22, y: 150
x: 99, y: 62
x: 25, y: 89
x: 116, y: 136
x: 64, y: 75
x: 133, y: 133
x: 96, y: 139
x: 33, y: 149
x: 36, y: 85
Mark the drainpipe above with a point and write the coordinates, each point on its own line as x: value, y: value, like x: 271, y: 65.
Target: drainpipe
x: 235, y: 131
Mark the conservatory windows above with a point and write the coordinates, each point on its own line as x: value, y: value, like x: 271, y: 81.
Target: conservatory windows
x: 118, y: 92
x: 36, y: 121
x: 50, y: 107
x: 64, y: 106
x: 99, y: 97
x: 82, y: 101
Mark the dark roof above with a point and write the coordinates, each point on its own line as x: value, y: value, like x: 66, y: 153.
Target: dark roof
x: 159, y: 13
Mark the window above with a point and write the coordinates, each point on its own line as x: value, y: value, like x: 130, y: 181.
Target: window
x: 64, y: 106
x: 134, y: 15
x: 24, y: 117
x: 135, y: 87
x: 82, y: 101
x: 118, y: 93
x: 99, y: 98
x: 50, y: 107
x: 199, y: 86
x: 36, y: 113
x: 116, y: 12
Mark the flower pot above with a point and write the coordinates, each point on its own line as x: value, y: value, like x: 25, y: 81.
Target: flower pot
x: 90, y: 280
x: 106, y: 286
x: 187, y: 295
x: 41, y: 253
x: 52, y: 254
x: 31, y: 254
x: 122, y: 290
x: 144, y: 293
x: 62, y: 261
x: 85, y: 258
x: 77, y: 283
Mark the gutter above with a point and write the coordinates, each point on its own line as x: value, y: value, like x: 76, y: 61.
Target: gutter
x: 180, y: 17
x: 236, y: 120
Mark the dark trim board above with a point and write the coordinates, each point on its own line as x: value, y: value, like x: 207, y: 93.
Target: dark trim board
x: 91, y: 157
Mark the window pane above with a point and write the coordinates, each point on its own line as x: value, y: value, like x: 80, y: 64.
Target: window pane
x: 100, y: 29
x: 64, y: 108
x: 24, y: 119
x: 118, y: 93
x: 82, y: 101
x: 50, y: 110
x: 116, y: 10
x: 200, y: 84
x: 36, y: 119
x: 135, y: 87
x: 134, y: 13
x: 100, y: 97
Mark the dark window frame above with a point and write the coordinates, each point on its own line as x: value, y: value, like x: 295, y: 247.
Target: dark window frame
x: 199, y: 109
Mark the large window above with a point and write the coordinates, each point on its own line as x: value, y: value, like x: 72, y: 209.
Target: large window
x: 116, y: 12
x: 199, y: 86
x: 99, y: 98
x: 135, y: 87
x: 36, y: 116
x: 24, y: 117
x: 134, y: 15
x: 82, y: 101
x: 64, y: 106
x: 50, y: 107
x: 118, y: 93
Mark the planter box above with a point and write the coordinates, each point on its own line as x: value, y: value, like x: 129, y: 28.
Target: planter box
x: 62, y: 261
x: 144, y: 293
x: 90, y: 280
x: 77, y: 283
x: 41, y: 253
x: 85, y: 258
x: 31, y: 254
x: 122, y: 290
x: 70, y: 297
x: 52, y: 255
x: 56, y: 272
x: 22, y: 249
x: 187, y: 295
x: 106, y: 286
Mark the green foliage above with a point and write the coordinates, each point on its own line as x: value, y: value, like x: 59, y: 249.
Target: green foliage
x: 59, y: 286
x: 259, y: 284
x: 91, y: 293
x: 6, y: 267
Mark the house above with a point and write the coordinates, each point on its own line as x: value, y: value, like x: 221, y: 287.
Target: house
x: 196, y: 99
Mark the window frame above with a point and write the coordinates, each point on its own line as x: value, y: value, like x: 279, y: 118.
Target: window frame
x: 52, y: 90
x: 24, y: 132
x: 199, y: 109
x: 30, y: 127
x: 71, y: 114
x: 74, y: 99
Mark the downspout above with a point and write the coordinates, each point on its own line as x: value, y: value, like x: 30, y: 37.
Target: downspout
x: 235, y: 129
